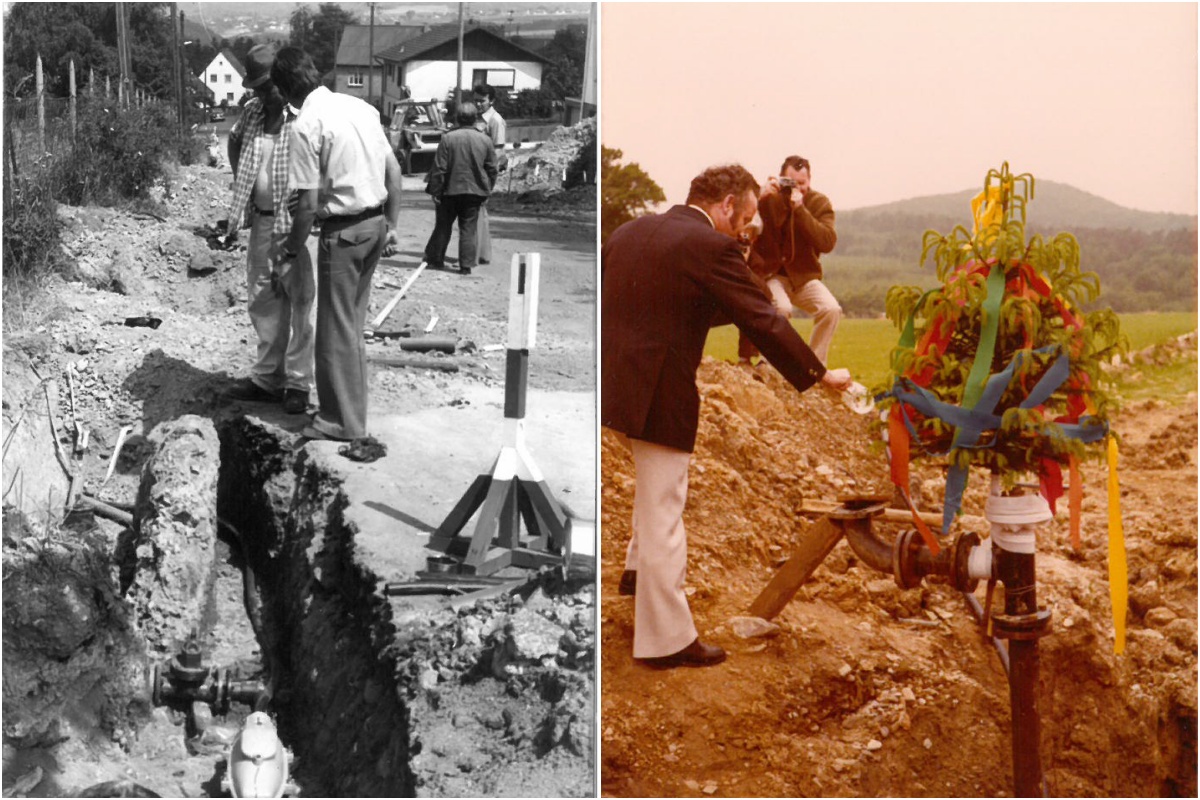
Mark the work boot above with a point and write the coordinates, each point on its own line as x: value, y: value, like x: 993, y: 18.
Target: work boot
x: 295, y: 401
x: 465, y: 270
x: 248, y: 390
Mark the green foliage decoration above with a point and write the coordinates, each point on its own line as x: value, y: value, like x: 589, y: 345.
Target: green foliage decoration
x: 1039, y: 317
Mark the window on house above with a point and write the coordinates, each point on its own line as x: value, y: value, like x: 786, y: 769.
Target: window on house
x: 212, y: 78
x: 229, y: 79
x: 229, y: 96
x: 496, y: 78
x: 354, y: 79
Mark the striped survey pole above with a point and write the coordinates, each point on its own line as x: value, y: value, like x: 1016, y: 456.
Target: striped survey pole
x: 515, y: 489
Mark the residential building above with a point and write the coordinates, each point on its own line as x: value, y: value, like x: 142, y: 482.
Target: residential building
x: 223, y: 77
x: 352, y: 68
x: 425, y: 67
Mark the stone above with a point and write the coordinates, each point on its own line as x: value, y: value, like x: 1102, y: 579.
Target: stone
x: 1160, y: 617
x: 751, y: 627
x: 874, y: 744
x: 201, y: 263
x: 927, y: 744
x: 908, y: 695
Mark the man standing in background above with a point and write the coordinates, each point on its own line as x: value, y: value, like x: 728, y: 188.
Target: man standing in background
x: 493, y: 125
x: 460, y: 180
x: 798, y: 226
x: 349, y: 179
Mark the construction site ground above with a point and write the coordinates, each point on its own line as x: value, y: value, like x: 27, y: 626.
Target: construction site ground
x: 442, y: 424
x: 868, y: 690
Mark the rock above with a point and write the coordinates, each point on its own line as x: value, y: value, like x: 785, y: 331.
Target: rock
x: 908, y: 695
x: 1183, y: 633
x: 750, y: 627
x: 874, y: 744
x: 201, y: 263
x: 844, y: 670
x: 927, y: 744
x: 201, y: 715
x: 1160, y: 616
x: 176, y: 513
x: 428, y: 678
x: 710, y: 788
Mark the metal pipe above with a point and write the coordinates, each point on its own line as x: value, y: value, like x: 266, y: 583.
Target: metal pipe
x: 1000, y: 645
x: 875, y: 553
x: 1016, y: 572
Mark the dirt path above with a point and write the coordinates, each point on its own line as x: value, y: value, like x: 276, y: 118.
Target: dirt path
x: 870, y: 690
x: 139, y: 265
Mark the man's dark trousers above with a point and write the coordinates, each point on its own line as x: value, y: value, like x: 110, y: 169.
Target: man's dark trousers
x: 464, y: 208
x: 346, y: 262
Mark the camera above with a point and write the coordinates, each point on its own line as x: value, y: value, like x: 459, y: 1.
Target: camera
x: 786, y: 185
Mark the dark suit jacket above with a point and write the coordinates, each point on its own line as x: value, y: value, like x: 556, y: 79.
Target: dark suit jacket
x: 810, y: 227
x: 465, y: 163
x: 664, y: 278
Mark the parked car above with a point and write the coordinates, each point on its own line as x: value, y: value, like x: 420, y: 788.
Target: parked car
x: 216, y: 115
x: 416, y: 130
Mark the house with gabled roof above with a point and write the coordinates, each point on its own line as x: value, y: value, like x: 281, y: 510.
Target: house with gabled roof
x: 426, y: 66
x: 223, y: 77
x: 353, y: 64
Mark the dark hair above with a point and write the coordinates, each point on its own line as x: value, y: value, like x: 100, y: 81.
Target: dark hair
x: 486, y: 90
x: 294, y: 73
x: 797, y: 163
x: 466, y: 113
x: 715, y: 183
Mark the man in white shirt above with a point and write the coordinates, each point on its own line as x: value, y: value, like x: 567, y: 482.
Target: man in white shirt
x: 348, y: 179
x: 491, y: 123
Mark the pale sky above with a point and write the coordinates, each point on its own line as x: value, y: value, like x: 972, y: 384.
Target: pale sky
x: 896, y: 100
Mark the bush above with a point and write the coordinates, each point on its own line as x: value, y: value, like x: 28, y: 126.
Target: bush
x: 118, y: 155
x: 32, y: 231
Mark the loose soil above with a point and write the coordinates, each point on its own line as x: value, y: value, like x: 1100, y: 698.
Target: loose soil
x: 868, y: 690
x: 170, y: 266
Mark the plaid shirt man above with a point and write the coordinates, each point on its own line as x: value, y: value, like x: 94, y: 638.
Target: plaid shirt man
x: 250, y: 128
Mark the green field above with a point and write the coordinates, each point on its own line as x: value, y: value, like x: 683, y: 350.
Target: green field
x: 863, y: 346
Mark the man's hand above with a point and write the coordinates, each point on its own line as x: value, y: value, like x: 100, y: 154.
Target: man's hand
x: 838, y: 379
x: 392, y: 243
x: 770, y: 187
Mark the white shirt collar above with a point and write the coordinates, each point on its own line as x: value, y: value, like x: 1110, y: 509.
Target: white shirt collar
x: 705, y: 213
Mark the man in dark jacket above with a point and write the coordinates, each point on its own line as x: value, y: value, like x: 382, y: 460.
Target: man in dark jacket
x: 665, y: 278
x: 462, y: 176
x: 798, y: 226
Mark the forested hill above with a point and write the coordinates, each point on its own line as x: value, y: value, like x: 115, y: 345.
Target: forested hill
x: 1146, y: 260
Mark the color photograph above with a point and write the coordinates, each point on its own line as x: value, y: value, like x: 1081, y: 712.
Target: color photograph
x: 898, y: 399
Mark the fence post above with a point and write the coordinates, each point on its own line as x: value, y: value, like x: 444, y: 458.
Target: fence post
x: 41, y: 106
x: 91, y: 81
x: 107, y: 87
x: 72, y: 101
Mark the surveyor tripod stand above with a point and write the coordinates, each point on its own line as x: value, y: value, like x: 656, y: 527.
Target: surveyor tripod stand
x: 515, y: 489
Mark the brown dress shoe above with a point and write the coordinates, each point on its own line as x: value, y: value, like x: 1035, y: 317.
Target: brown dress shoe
x: 628, y: 584
x: 696, y: 654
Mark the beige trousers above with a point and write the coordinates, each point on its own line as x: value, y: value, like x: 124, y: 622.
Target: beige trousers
x: 662, y: 623
x: 813, y: 299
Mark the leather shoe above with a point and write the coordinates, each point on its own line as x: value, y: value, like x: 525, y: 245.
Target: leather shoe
x: 246, y: 389
x: 295, y: 401
x: 628, y: 584
x: 696, y: 654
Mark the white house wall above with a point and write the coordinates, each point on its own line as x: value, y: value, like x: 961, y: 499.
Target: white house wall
x: 223, y: 87
x: 433, y: 80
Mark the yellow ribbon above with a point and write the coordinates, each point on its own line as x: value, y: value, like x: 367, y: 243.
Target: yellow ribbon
x: 1118, y: 580
x: 993, y: 212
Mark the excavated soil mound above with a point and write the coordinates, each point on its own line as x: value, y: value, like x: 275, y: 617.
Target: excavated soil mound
x: 871, y: 690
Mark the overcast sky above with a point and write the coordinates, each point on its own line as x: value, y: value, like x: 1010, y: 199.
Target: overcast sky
x: 895, y: 100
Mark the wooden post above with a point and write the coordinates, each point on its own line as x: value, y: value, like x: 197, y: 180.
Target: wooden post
x: 458, y: 84
x: 41, y: 106
x: 72, y: 101
x: 107, y: 87
x: 814, y: 546
x: 91, y: 81
x: 177, y: 64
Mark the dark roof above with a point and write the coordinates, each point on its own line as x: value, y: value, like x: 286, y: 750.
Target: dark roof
x: 233, y: 62
x: 440, y: 43
x: 356, y: 41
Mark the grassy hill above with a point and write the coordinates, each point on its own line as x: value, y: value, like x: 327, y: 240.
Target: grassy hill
x: 1146, y: 261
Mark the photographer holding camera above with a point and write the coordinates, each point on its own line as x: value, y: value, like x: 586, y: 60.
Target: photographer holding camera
x: 798, y: 226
